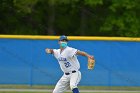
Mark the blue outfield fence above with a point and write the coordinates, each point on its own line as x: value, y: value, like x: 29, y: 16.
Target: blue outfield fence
x: 25, y: 62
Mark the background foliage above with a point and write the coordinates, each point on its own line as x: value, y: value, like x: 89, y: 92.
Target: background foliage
x: 70, y: 17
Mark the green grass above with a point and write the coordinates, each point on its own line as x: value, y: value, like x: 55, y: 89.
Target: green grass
x: 2, y: 86
x: 119, y: 88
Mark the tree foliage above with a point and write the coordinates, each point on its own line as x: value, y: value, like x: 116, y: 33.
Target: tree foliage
x: 70, y: 17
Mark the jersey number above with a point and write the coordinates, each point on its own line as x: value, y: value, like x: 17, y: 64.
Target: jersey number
x: 67, y: 64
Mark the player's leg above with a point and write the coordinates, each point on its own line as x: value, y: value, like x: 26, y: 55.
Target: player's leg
x: 74, y: 81
x: 62, y: 85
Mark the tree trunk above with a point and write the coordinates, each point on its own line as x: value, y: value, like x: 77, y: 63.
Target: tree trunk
x: 83, y: 22
x: 51, y: 18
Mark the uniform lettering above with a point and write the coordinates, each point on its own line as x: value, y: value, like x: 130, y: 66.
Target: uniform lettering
x: 62, y: 59
x: 67, y: 64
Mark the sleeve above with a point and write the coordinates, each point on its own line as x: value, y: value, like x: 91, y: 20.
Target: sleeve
x: 72, y: 52
x: 55, y: 53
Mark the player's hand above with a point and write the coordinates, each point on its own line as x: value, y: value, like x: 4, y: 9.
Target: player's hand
x: 90, y: 57
x: 49, y: 51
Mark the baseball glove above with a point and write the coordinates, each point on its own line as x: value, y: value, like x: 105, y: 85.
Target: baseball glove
x: 91, y: 63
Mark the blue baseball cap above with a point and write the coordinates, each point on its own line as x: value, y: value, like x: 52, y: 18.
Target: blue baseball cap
x: 63, y: 37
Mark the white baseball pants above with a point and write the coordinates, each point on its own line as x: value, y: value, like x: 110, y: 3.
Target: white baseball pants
x: 67, y: 81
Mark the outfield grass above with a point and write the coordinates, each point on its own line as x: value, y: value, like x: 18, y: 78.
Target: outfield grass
x: 2, y: 86
x: 117, y: 89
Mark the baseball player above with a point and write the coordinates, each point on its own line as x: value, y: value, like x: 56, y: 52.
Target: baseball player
x: 69, y: 64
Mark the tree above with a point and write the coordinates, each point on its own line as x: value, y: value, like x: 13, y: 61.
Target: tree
x: 70, y: 17
x: 123, y: 18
